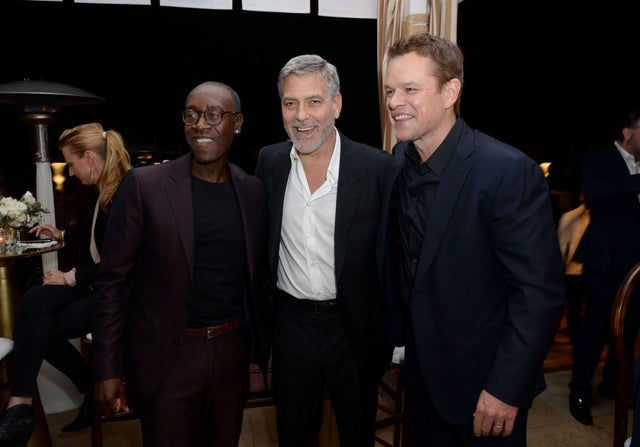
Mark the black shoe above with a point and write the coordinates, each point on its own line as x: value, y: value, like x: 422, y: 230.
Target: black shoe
x: 84, y: 417
x: 17, y: 425
x: 580, y: 410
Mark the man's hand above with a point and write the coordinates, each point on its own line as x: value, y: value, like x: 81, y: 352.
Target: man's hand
x: 493, y: 417
x: 111, y: 397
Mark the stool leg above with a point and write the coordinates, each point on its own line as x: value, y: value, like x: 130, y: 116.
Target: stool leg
x: 96, y: 430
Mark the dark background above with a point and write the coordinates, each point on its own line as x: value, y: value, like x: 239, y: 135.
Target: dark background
x: 551, y: 83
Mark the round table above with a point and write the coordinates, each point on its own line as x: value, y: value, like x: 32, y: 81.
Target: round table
x: 9, y: 297
x: 8, y: 285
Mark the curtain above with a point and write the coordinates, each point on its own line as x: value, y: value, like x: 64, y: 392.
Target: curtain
x: 398, y: 18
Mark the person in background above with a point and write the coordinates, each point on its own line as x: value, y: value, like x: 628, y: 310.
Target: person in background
x: 571, y: 226
x: 325, y: 195
x: 470, y: 258
x: 51, y: 314
x: 181, y: 303
x: 610, y: 246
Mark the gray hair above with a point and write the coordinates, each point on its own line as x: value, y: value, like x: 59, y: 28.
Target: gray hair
x: 308, y: 64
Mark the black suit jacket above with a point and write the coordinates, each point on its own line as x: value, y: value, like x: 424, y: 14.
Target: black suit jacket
x: 147, y: 269
x: 360, y: 187
x: 610, y: 245
x: 488, y: 293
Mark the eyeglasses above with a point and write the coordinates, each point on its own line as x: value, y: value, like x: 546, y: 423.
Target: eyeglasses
x: 213, y: 116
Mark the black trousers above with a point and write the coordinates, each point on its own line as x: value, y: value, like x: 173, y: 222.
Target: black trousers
x: 310, y: 354
x: 48, y: 317
x: 575, y: 300
x: 201, y: 399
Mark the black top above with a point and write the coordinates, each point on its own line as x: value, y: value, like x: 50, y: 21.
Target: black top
x: 220, y: 264
x: 416, y: 189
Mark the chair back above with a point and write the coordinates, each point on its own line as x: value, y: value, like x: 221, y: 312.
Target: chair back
x: 624, y: 370
x: 6, y: 349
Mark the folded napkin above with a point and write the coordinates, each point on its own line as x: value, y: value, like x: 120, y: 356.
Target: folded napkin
x: 37, y: 244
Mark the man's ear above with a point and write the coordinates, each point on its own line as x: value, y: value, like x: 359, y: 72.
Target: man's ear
x: 452, y: 91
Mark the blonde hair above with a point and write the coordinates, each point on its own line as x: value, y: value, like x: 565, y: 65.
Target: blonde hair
x: 106, y: 144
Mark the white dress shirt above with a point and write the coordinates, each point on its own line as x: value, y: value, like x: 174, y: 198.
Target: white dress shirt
x: 632, y: 164
x: 306, y: 267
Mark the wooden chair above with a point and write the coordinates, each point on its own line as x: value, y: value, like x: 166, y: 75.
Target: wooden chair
x: 86, y: 345
x: 392, y: 390
x: 624, y: 370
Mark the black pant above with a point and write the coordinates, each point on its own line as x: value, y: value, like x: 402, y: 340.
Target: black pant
x: 311, y: 353
x: 575, y: 299
x: 48, y: 317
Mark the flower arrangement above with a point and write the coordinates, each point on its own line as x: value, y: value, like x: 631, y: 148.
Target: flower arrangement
x: 24, y: 210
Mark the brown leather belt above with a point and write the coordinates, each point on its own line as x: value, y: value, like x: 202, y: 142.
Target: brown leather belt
x: 214, y: 331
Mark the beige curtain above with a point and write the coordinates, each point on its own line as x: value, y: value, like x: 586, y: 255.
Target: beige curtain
x: 396, y: 19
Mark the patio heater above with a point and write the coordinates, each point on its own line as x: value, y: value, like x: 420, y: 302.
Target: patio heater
x: 38, y: 103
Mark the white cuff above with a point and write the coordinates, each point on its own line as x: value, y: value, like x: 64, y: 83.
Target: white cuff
x: 70, y: 278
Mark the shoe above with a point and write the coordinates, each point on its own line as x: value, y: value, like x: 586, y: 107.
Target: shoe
x: 84, y: 418
x: 580, y: 410
x: 627, y: 443
x: 17, y: 425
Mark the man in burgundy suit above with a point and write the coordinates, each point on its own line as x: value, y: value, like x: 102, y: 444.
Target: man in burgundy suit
x: 181, y: 307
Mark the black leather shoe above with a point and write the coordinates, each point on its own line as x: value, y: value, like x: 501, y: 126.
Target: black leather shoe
x: 17, y: 425
x: 84, y: 417
x: 580, y: 410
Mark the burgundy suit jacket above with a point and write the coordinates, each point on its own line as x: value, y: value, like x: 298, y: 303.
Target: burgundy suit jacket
x: 147, y: 271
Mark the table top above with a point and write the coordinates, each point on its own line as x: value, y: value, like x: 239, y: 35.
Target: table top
x: 31, y: 252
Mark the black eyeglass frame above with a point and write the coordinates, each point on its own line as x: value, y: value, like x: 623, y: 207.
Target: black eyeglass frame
x: 204, y: 113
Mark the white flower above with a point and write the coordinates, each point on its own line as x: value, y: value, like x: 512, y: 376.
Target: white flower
x: 24, y: 211
x: 28, y: 198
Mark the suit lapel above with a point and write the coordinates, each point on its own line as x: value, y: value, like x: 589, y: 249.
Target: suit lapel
x: 178, y: 191
x: 443, y: 204
x: 397, y: 163
x: 349, y: 187
x: 244, y: 195
x: 281, y: 168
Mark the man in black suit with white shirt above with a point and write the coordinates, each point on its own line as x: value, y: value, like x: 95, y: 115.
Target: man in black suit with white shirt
x: 325, y: 194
